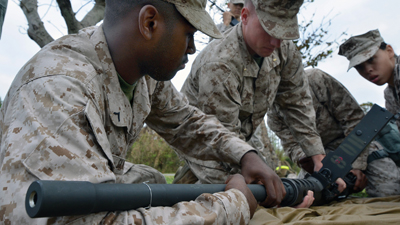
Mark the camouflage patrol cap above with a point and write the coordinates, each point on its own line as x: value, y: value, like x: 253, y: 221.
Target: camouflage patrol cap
x: 360, y: 48
x: 279, y: 17
x: 237, y: 1
x: 194, y: 12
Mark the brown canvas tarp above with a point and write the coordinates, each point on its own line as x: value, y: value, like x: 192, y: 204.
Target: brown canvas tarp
x: 354, y: 211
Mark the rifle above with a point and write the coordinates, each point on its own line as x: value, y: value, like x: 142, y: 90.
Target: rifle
x: 66, y: 198
x: 233, y: 22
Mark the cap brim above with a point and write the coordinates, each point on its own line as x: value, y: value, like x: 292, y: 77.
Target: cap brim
x: 362, y: 56
x: 201, y: 20
x: 280, y: 28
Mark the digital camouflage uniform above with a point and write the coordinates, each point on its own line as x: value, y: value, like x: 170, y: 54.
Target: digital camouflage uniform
x: 65, y: 117
x: 392, y: 94
x: 337, y: 113
x: 383, y: 174
x: 392, y: 104
x: 260, y: 136
x: 227, y: 82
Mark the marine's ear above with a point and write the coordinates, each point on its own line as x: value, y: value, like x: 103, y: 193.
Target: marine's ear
x: 244, y: 16
x: 390, y: 51
x: 149, y: 21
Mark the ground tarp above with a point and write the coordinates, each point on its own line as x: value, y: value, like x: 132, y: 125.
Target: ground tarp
x: 354, y: 211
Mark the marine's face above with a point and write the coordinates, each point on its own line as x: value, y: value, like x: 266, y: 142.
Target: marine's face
x: 379, y: 68
x: 258, y: 41
x: 235, y: 9
x: 171, y: 52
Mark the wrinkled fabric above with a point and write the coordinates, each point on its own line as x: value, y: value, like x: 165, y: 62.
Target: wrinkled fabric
x: 65, y: 117
x: 222, y: 28
x: 337, y: 113
x: 225, y: 81
x: 383, y: 176
x: 354, y: 211
x: 279, y: 18
x: 211, y: 172
x: 392, y: 94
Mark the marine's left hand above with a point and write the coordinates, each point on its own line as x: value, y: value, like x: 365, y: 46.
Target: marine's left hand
x: 307, y: 201
x: 361, y: 181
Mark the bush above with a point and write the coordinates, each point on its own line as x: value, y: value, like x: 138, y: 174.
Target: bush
x: 152, y: 150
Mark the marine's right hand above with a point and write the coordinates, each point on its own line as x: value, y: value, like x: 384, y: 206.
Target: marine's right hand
x: 237, y: 181
x: 315, y: 164
x: 227, y: 18
x: 318, y: 165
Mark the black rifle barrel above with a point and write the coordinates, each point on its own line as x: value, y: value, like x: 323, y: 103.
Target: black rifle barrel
x: 67, y: 198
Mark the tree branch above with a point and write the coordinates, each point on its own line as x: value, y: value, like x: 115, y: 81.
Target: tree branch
x: 69, y: 16
x: 95, y: 15
x: 36, y: 31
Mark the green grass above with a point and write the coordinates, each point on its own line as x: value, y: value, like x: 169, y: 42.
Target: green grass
x: 362, y: 194
x: 169, y: 179
x: 152, y: 150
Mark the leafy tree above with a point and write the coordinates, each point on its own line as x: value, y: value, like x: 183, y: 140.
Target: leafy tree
x: 315, y: 43
x: 366, y: 106
x: 1, y: 102
x: 36, y: 29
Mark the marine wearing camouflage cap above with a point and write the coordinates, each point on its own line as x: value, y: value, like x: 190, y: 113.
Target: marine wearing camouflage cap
x: 66, y: 117
x: 279, y: 18
x: 360, y: 48
x: 253, y: 70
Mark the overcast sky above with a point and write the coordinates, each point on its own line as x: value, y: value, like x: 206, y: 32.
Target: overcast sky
x: 352, y: 16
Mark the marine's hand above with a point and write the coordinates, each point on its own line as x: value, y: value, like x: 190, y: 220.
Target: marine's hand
x: 341, y: 184
x: 227, y: 18
x: 361, y: 181
x: 307, y: 201
x: 255, y: 170
x: 317, y: 161
x: 237, y: 181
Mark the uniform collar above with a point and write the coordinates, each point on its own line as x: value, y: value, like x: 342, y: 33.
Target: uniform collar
x: 118, y: 105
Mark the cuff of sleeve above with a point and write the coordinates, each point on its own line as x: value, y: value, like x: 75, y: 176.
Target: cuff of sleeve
x: 314, y: 149
x: 237, y: 148
x: 236, y: 206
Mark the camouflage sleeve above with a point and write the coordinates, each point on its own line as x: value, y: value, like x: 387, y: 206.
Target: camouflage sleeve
x: 340, y: 102
x: 48, y: 135
x: 228, y: 207
x: 341, y: 105
x: 391, y: 104
x: 219, y: 94
x: 294, y: 101
x: 289, y: 144
x: 193, y: 133
x: 222, y: 28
